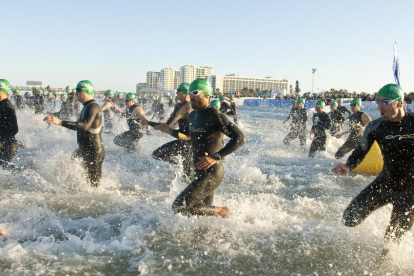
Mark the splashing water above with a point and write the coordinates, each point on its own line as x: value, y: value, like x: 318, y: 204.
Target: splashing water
x: 285, y: 219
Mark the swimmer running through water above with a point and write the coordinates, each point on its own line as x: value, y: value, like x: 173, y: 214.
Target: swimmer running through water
x: 206, y: 127
x: 394, y: 133
x: 88, y: 127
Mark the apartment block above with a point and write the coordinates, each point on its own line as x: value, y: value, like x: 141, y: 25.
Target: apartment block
x: 235, y: 82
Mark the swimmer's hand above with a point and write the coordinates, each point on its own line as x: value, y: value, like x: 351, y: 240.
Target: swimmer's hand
x: 341, y: 169
x: 52, y: 120
x: 205, y: 162
x: 163, y: 128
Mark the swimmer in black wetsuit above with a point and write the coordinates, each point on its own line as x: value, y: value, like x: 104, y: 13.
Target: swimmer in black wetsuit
x: 394, y: 133
x: 233, y: 106
x: 8, y: 128
x: 298, y: 125
x: 177, y: 147
x: 321, y: 123
x: 292, y: 112
x: 88, y: 128
x: 226, y: 108
x: 134, y: 114
x: 206, y: 127
x: 108, y: 109
x: 342, y: 108
x: 38, y: 101
x: 160, y: 109
x: 18, y: 100
x: 337, y: 119
x: 357, y: 122
x: 65, y: 111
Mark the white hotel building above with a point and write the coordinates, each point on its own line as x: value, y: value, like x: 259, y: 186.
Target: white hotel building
x: 235, y: 82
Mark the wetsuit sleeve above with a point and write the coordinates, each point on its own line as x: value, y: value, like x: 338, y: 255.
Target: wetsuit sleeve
x: 182, y: 134
x: 364, y: 145
x: 290, y: 115
x: 10, y: 125
x: 91, y: 113
x: 178, y: 114
x: 233, y: 132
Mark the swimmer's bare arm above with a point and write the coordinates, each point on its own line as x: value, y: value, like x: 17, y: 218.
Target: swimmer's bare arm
x: 139, y: 113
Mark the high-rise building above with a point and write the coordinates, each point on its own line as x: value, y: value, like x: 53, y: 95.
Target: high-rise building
x: 153, y: 79
x: 177, y: 79
x: 204, y: 72
x: 235, y: 82
x: 167, y: 79
x: 188, y: 73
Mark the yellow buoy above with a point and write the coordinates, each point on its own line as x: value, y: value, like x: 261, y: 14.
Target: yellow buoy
x: 372, y: 163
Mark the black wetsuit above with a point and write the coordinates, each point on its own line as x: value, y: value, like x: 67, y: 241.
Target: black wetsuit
x: 395, y: 183
x: 226, y: 109
x: 91, y: 149
x: 338, y: 118
x: 160, y: 111
x: 120, y: 103
x: 65, y: 111
x: 19, y: 102
x: 8, y: 129
x: 70, y: 102
x: 233, y: 107
x: 291, y: 113
x: 177, y: 147
x: 206, y: 127
x: 108, y: 118
x: 39, y: 104
x: 344, y: 110
x: 131, y: 137
x: 321, y: 123
x: 170, y: 103
x: 357, y: 129
x: 299, y: 118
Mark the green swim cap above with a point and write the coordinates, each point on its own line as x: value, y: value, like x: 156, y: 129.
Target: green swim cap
x: 301, y: 100
x: 356, y: 101
x: 184, y: 87
x: 333, y: 103
x: 339, y: 100
x: 391, y: 91
x: 321, y: 103
x: 216, y: 104
x: 4, y: 86
x: 294, y: 101
x: 201, y: 85
x: 27, y: 93
x: 119, y: 95
x: 47, y: 86
x: 109, y: 93
x: 64, y: 96
x: 86, y: 86
x: 67, y: 88
x: 176, y: 97
x: 35, y: 89
x: 131, y: 96
x: 161, y: 99
x: 73, y: 90
x: 222, y: 97
x: 50, y: 94
x: 16, y: 91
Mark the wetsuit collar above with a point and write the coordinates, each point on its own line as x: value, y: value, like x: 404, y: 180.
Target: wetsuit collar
x: 88, y: 102
x: 203, y: 108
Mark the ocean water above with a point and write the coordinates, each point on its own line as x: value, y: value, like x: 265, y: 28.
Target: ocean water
x: 286, y: 211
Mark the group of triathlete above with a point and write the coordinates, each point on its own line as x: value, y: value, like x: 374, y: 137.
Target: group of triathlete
x: 394, y: 133
x: 200, y: 131
x: 324, y: 124
x: 201, y: 127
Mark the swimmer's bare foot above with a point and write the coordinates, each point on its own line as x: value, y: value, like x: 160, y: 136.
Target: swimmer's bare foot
x: 33, y: 165
x: 2, y: 232
x: 222, y: 211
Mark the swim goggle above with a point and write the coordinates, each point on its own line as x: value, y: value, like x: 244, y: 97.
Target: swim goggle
x: 195, y: 92
x: 386, y: 102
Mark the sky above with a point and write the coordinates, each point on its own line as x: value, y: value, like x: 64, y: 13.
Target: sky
x: 114, y: 43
